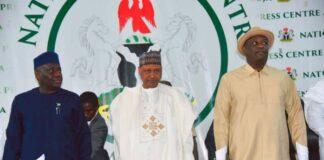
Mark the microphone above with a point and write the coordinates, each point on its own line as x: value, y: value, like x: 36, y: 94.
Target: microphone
x: 58, y: 108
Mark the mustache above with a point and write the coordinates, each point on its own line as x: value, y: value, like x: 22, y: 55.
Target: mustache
x: 262, y: 50
x: 57, y: 79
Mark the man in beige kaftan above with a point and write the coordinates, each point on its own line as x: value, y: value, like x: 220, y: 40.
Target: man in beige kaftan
x: 152, y: 121
x: 250, y: 108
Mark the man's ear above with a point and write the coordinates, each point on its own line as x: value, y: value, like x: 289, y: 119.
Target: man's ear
x: 161, y: 71
x: 37, y: 74
x: 139, y: 70
x: 243, y: 50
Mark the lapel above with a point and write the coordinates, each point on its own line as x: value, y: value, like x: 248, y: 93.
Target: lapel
x: 93, y: 122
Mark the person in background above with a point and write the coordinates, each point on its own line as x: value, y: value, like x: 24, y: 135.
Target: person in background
x: 47, y: 121
x: 97, y: 124
x: 210, y: 142
x: 314, y: 112
x: 251, y: 102
x: 166, y: 83
x: 152, y: 121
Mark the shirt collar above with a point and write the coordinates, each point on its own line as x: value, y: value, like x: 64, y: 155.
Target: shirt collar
x: 250, y: 70
x: 150, y: 94
x: 89, y: 122
x: 149, y: 90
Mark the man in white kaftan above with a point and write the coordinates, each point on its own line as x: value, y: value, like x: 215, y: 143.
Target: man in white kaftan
x: 152, y: 121
x: 314, y: 112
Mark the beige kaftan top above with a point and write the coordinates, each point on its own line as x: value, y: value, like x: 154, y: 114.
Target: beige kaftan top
x: 250, y: 114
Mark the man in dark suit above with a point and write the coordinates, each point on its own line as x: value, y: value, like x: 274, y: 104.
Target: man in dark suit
x: 97, y: 125
x: 47, y: 121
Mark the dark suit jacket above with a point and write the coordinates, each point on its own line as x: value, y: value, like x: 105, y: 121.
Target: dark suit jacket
x: 49, y: 124
x: 99, y: 132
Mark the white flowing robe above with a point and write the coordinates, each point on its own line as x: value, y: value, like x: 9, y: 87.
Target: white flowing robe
x: 314, y: 112
x: 153, y: 124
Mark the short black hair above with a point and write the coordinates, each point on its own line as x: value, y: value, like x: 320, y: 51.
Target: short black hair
x: 89, y: 97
